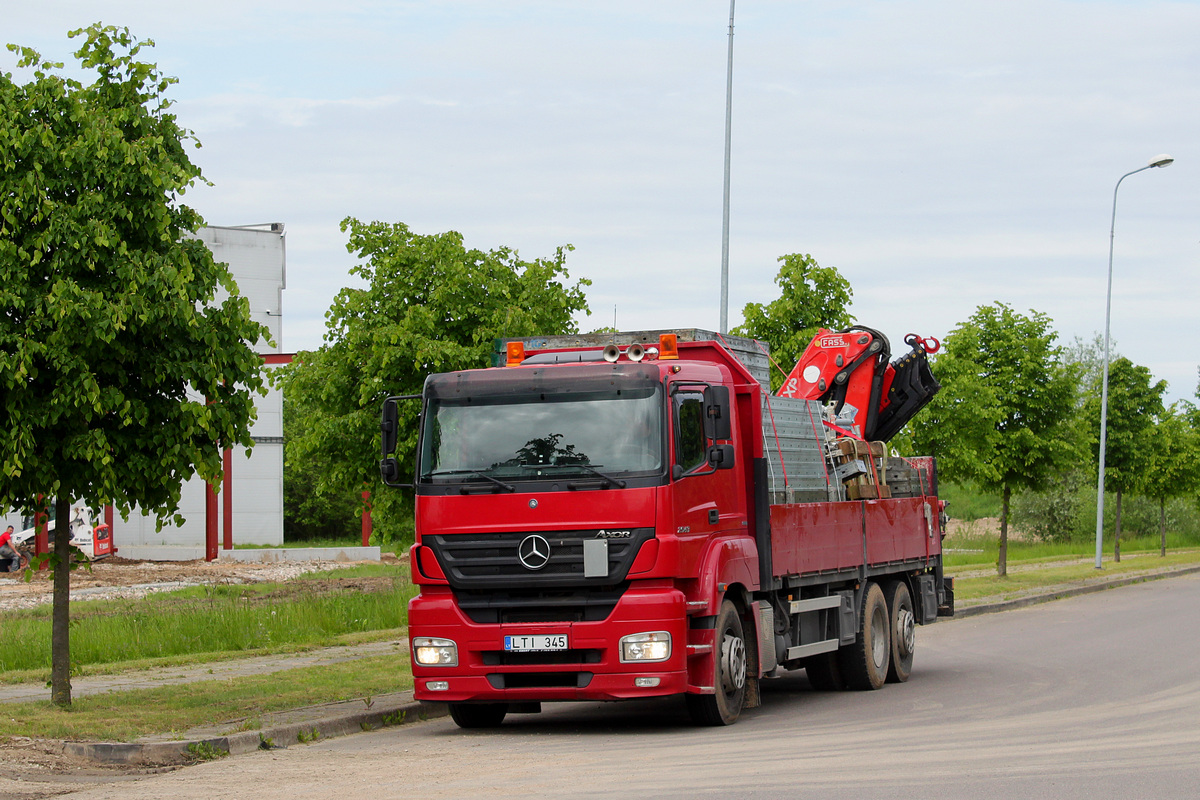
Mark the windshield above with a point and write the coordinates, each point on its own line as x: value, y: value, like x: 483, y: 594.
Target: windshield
x: 523, y: 438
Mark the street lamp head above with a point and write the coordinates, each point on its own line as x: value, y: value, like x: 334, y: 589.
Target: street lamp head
x: 1163, y: 160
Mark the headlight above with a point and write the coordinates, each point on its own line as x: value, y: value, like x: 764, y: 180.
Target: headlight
x: 431, y: 652
x: 643, y: 647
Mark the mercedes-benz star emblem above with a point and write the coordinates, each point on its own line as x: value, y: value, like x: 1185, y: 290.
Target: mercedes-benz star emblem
x: 534, y: 551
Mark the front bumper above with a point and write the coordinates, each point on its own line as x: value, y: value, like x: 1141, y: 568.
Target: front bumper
x: 590, y: 669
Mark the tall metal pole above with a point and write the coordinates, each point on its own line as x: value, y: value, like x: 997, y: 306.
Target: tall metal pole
x: 1161, y: 161
x: 725, y: 207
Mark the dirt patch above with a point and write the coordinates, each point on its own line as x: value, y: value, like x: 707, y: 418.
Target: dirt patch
x: 988, y: 527
x: 31, y: 769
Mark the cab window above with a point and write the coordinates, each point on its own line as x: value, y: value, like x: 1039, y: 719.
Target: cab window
x: 690, y: 443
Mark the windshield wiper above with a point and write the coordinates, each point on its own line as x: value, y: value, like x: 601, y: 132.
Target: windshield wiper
x: 608, y: 479
x: 471, y: 473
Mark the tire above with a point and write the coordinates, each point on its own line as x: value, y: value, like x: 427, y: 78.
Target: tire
x: 478, y: 715
x: 731, y: 657
x: 903, y: 631
x: 824, y: 674
x: 865, y: 663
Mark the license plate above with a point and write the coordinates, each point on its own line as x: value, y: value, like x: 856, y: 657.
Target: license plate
x: 535, y: 644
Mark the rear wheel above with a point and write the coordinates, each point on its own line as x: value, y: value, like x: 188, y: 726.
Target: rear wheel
x: 478, y: 715
x: 903, y: 630
x: 725, y: 705
x: 864, y: 664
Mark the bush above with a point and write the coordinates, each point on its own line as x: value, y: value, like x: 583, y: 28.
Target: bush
x: 1066, y: 512
x: 1058, y: 513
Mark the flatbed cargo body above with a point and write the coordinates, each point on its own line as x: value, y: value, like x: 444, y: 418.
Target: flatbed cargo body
x: 595, y: 529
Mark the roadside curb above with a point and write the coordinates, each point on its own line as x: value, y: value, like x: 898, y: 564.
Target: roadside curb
x: 1069, y: 591
x: 282, y: 730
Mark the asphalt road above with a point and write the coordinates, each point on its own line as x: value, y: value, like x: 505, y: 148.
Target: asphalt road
x: 1092, y: 697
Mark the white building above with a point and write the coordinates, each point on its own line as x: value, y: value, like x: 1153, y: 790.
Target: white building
x: 250, y: 503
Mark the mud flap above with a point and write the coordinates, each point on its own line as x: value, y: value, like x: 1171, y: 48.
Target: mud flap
x: 927, y: 592
x: 753, y: 695
x: 946, y: 607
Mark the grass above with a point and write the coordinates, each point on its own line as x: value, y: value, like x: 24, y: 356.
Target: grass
x: 368, y: 570
x: 1039, y: 565
x: 967, y: 549
x: 124, y: 716
x: 42, y: 674
x: 1021, y: 581
x: 210, y: 620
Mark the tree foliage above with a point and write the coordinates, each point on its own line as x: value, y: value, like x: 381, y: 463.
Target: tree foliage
x: 811, y: 297
x: 429, y: 305
x: 123, y: 374
x: 312, y: 511
x: 1133, y: 405
x: 1005, y: 416
x: 1173, y: 469
x: 1087, y: 356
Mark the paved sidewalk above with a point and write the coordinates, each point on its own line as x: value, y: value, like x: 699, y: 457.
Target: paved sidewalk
x: 309, y: 724
x: 281, y: 729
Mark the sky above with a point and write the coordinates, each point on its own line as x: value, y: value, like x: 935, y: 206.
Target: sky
x: 941, y: 155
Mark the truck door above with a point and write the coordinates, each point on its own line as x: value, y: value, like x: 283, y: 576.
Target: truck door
x: 703, y: 494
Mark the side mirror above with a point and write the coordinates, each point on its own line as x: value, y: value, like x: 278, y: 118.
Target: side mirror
x: 389, y: 470
x: 389, y: 425
x: 717, y: 423
x: 720, y: 456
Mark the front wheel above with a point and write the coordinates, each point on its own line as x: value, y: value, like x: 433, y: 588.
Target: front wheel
x: 725, y: 705
x: 478, y: 715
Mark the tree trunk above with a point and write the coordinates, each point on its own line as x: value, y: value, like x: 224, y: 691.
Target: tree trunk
x: 1117, y: 535
x: 1162, y: 526
x: 1002, y: 562
x: 60, y: 633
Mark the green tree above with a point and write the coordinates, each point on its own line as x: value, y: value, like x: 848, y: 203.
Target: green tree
x: 1004, y: 418
x: 429, y: 305
x: 1088, y: 359
x: 1133, y: 404
x: 123, y: 373
x: 811, y: 297
x: 312, y: 510
x: 1174, y: 469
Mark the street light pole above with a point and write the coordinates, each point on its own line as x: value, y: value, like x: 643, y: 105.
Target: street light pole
x: 725, y: 204
x: 1159, y: 161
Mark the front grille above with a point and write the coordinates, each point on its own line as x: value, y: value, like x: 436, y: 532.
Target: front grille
x: 504, y: 658
x: 540, y: 680
x: 492, y: 560
x: 540, y: 605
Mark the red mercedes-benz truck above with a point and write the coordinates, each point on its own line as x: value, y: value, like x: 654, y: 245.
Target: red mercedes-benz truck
x: 621, y: 516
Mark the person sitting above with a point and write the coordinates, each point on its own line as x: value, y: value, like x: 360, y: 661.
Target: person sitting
x: 10, y: 559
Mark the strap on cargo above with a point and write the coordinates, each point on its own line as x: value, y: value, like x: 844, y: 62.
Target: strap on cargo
x: 771, y: 414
